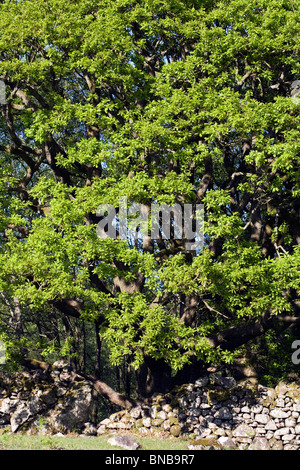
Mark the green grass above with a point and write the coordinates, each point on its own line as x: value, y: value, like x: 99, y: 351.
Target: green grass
x: 73, y: 442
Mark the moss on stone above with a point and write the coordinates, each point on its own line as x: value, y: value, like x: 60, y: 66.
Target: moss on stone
x: 139, y: 423
x: 218, y: 395
x: 126, y: 418
x: 206, y: 442
x: 175, y: 430
x: 293, y: 391
x: 173, y: 420
x: 159, y: 398
x: 156, y: 422
x: 270, y: 400
x: 180, y: 391
x: 117, y: 416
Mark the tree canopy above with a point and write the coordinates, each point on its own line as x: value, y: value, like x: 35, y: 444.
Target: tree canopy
x: 159, y: 101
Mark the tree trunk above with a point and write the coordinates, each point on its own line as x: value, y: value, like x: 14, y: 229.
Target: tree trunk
x: 16, y: 318
x: 190, y: 309
x: 154, y: 376
x: 98, y: 351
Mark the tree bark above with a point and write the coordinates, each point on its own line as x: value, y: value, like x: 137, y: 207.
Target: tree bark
x: 105, y: 390
x: 154, y: 376
x: 235, y: 336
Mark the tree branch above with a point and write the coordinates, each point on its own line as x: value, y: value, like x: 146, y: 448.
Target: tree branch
x: 101, y: 387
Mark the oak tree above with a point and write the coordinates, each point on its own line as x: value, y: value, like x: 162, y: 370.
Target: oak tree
x: 161, y: 102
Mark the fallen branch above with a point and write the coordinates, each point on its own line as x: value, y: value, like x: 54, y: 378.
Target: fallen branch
x: 101, y: 387
x: 105, y: 390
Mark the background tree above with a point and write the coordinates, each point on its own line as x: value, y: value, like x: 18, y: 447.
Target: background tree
x: 161, y: 102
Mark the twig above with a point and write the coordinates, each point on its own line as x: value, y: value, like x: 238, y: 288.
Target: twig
x: 214, y: 310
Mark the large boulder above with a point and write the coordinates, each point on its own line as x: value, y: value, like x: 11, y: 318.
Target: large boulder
x: 73, y: 410
x: 42, y: 403
x: 126, y: 442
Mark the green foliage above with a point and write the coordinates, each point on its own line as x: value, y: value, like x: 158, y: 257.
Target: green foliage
x: 161, y: 102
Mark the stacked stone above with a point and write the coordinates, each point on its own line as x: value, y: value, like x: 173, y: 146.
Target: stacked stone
x: 215, y: 411
x: 40, y: 403
x: 250, y: 416
x: 219, y: 413
x: 158, y: 417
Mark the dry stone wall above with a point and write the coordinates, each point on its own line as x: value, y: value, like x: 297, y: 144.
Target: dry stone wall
x: 46, y: 403
x: 215, y: 412
x: 218, y: 413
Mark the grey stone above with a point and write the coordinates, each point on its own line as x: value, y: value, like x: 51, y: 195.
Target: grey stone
x: 278, y: 445
x: 61, y: 391
x: 126, y: 442
x: 162, y: 415
x: 89, y: 429
x: 136, y: 412
x: 245, y: 409
x: 202, y: 382
x: 66, y: 376
x: 227, y: 443
x: 236, y: 410
x: 35, y: 405
x: 223, y: 413
x: 121, y: 425
x: 74, y: 411
x: 278, y: 413
x: 291, y: 447
x: 167, y: 408
x: 260, y: 430
x: 49, y: 397
x: 61, y: 364
x: 205, y: 406
x: 257, y: 409
x: 271, y: 425
x: 297, y: 429
x: 154, y: 410
x: 290, y: 423
x: 220, y: 432
x: 243, y: 443
x: 260, y: 443
x: 19, y: 417
x: 287, y: 437
x: 203, y: 431
x: 147, y: 422
x: 281, y: 432
x: 243, y: 430
x: 262, y: 418
x: 101, y: 430
x: 226, y: 382
x: 166, y: 425
x: 104, y: 422
x: 7, y: 405
x: 183, y: 402
x: 195, y: 412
